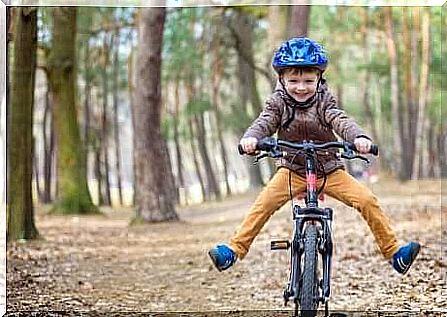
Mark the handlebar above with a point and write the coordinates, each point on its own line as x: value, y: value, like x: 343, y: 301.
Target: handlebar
x: 271, y: 144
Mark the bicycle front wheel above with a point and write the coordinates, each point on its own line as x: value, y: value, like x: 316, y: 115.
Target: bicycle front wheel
x: 309, y: 287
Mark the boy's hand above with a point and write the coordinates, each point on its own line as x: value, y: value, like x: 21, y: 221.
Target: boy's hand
x: 249, y: 144
x: 363, y: 145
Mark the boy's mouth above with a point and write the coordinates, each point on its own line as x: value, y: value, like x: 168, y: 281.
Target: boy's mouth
x: 300, y: 96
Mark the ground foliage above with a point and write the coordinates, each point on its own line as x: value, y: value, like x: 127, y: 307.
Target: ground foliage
x: 101, y: 265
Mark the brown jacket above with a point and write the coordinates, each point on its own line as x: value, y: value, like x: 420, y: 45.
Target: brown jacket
x: 315, y: 122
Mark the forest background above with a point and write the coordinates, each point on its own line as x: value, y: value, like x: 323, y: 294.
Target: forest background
x: 115, y: 114
x: 144, y: 107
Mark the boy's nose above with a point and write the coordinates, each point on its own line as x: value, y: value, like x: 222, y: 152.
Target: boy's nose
x: 300, y: 87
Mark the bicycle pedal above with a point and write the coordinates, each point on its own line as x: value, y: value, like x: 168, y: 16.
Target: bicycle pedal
x: 279, y: 245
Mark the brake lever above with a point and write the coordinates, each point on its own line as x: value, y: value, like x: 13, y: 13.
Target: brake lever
x: 260, y: 157
x: 275, y: 153
x: 365, y: 159
x: 350, y: 155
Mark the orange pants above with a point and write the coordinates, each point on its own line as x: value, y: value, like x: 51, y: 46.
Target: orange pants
x: 340, y: 185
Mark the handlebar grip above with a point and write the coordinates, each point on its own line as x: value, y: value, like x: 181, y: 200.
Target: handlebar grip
x: 265, y: 144
x: 374, y: 150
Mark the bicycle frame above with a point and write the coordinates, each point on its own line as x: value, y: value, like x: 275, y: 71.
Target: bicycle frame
x: 301, y: 216
x: 309, y: 215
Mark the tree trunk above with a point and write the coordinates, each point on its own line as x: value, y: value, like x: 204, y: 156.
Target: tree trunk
x: 5, y: 100
x: 98, y: 175
x: 55, y: 178
x: 365, y: 85
x: 205, y: 194
x: 194, y: 133
x: 97, y: 139
x: 246, y: 61
x: 415, y: 62
x: 299, y: 19
x: 371, y: 118
x: 115, y: 115
x: 234, y: 25
x: 217, y: 72
x: 277, y: 19
x: 442, y: 146
x: 242, y: 25
x: 170, y: 181
x: 105, y: 157
x: 3, y: 42
x: 154, y: 201
x: 87, y: 98
x: 433, y: 159
x: 105, y: 122
x: 386, y: 163
x: 48, y: 148
x: 247, y: 82
x: 340, y: 104
x: 178, y: 151
x: 394, y: 78
x: 203, y: 150
x: 74, y: 196
x: 424, y: 162
x: 131, y: 78
x: 20, y: 210
x: 179, y: 181
x: 423, y: 93
x: 409, y: 88
x: 36, y: 172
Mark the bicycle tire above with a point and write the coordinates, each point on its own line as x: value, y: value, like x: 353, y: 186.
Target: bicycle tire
x: 309, y: 290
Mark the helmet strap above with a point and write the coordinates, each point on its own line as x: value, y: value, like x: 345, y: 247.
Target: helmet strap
x: 320, y: 81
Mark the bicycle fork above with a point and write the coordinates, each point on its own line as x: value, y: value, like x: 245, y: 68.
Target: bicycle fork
x: 300, y: 217
x: 326, y: 249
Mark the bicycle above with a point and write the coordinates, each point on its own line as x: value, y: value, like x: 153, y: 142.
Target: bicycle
x: 312, y: 227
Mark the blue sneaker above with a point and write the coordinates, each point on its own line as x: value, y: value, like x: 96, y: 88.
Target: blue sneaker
x: 405, y: 256
x: 222, y: 256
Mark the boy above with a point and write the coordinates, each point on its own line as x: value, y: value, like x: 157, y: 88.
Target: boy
x: 304, y: 109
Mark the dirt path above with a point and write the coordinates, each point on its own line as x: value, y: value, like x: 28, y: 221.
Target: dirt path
x: 100, y: 263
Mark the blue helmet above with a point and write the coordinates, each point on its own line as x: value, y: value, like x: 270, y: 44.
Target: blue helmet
x: 300, y: 52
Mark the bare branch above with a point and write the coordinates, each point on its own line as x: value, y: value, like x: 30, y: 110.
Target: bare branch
x: 243, y: 54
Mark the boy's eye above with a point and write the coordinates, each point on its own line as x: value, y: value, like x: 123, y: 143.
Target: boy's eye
x: 309, y: 81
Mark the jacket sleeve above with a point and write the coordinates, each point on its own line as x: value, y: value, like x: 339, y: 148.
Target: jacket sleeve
x: 267, y: 122
x: 340, y: 122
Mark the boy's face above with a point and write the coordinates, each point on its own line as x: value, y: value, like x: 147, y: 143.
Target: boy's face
x: 300, y: 84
